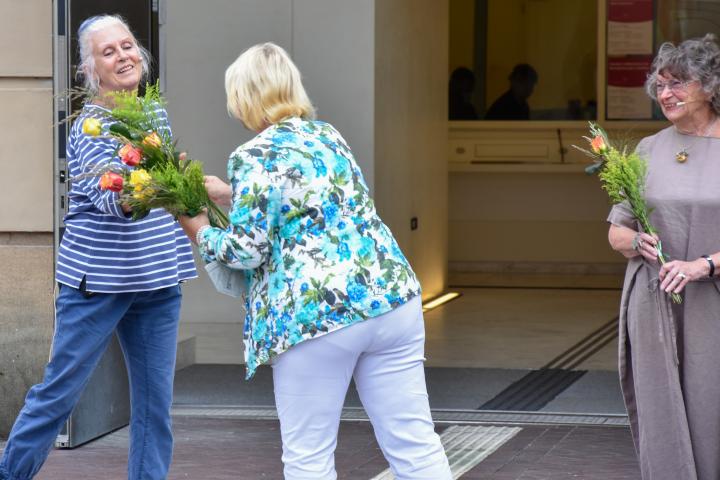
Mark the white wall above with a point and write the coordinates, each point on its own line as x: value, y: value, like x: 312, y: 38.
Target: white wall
x: 517, y: 219
x: 374, y: 69
x: 332, y: 43
x: 411, y: 56
x: 201, y: 40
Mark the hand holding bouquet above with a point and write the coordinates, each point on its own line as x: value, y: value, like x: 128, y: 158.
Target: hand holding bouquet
x: 622, y: 174
x: 155, y: 174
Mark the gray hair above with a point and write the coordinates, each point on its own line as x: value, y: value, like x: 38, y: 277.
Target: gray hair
x: 694, y: 59
x: 86, y: 67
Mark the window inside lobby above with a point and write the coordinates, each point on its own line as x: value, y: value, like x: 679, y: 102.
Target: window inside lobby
x: 523, y: 59
x: 677, y: 20
x: 563, y: 59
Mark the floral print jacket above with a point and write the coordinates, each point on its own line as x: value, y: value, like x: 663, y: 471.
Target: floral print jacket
x: 304, y: 228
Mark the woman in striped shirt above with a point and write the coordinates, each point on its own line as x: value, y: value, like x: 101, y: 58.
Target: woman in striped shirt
x: 115, y: 275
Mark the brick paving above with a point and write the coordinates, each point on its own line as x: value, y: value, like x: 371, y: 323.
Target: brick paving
x: 224, y: 449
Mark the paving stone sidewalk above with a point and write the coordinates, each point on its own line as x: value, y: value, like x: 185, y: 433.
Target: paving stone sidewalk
x: 225, y: 449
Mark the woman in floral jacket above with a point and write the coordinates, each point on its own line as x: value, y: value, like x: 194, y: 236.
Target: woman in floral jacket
x: 330, y: 294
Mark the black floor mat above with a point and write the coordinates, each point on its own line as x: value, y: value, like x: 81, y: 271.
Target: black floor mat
x: 448, y: 388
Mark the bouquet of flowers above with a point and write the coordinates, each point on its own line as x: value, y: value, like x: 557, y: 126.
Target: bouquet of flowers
x: 622, y: 174
x: 154, y: 174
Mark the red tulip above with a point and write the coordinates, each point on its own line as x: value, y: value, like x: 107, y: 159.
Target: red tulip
x: 111, y: 181
x: 130, y: 155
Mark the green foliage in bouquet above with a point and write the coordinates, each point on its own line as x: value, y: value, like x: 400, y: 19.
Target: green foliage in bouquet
x: 623, y: 177
x: 182, y: 189
x: 137, y: 112
x: 160, y: 177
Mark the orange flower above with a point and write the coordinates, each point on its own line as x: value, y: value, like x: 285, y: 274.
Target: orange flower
x: 598, y: 145
x: 130, y: 155
x: 152, y: 140
x: 111, y: 181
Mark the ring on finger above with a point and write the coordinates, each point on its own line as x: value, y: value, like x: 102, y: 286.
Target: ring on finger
x: 682, y: 276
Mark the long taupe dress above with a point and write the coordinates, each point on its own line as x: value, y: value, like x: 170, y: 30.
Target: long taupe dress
x: 670, y: 354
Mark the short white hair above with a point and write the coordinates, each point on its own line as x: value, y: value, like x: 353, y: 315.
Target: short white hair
x: 86, y: 67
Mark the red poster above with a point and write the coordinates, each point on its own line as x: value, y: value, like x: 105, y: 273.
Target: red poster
x: 626, y: 97
x: 630, y: 11
x: 628, y: 71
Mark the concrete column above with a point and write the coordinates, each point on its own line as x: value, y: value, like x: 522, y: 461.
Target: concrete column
x: 26, y: 193
x: 411, y: 176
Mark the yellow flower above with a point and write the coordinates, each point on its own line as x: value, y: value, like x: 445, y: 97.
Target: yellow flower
x: 140, y: 177
x: 152, y: 140
x: 92, y: 127
x: 140, y: 181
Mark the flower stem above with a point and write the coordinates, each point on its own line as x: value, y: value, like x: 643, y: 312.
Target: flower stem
x: 676, y: 298
x: 217, y: 216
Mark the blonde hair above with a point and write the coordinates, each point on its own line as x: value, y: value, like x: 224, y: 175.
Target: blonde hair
x: 86, y: 70
x: 264, y: 86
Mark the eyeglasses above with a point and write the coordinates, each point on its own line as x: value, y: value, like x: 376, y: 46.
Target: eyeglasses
x: 675, y: 86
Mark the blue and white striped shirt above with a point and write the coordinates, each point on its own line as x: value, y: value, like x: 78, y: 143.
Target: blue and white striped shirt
x: 101, y: 243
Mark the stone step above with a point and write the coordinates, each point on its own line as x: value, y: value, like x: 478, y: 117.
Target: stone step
x: 186, y: 348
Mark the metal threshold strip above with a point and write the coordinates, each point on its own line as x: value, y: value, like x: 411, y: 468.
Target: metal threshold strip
x: 357, y: 414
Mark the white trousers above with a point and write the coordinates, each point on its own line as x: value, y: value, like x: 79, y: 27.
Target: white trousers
x: 385, y: 356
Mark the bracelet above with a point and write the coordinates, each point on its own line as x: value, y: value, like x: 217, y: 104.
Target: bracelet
x: 199, y: 234
x: 712, y: 265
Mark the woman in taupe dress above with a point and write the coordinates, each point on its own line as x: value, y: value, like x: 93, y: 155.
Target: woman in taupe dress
x: 670, y: 354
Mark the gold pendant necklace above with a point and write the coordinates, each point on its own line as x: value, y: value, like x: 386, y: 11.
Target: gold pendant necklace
x: 683, y: 155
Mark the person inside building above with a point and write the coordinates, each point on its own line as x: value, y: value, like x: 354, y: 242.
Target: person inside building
x: 513, y: 104
x: 330, y: 295
x: 116, y: 275
x: 460, y: 91
x: 669, y: 353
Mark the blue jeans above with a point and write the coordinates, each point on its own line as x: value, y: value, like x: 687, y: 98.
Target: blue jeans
x: 146, y: 324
